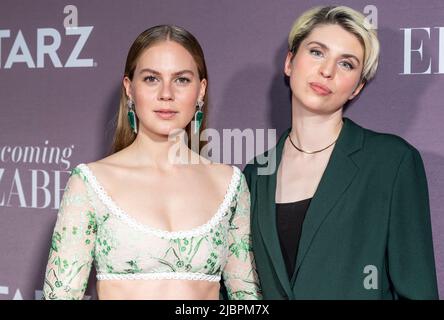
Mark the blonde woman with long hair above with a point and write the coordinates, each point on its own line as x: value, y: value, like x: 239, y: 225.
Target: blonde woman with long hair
x: 155, y: 227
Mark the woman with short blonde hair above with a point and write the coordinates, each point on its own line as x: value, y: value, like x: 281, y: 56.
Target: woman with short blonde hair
x: 346, y: 215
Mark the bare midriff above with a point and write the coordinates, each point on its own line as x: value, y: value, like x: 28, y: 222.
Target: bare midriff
x: 157, y: 290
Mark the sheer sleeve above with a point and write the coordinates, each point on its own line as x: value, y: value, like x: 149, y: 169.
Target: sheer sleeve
x: 239, y: 275
x: 72, y: 245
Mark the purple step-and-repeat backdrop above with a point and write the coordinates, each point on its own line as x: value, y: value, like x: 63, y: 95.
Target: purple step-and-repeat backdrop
x: 59, y: 90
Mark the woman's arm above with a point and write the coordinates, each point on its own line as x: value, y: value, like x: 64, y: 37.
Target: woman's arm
x: 240, y: 276
x: 72, y: 245
x: 410, y: 247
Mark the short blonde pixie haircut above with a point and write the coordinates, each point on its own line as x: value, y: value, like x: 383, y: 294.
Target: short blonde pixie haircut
x: 349, y: 19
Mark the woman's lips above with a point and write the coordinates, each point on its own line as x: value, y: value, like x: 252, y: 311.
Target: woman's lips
x: 320, y: 89
x: 165, y: 114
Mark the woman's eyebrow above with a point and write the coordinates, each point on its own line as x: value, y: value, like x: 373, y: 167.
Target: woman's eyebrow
x: 158, y: 73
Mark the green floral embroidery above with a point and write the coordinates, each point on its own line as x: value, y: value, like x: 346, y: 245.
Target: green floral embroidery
x: 134, y: 267
x: 87, y: 231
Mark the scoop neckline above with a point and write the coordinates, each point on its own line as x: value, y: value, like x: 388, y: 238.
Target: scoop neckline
x: 115, y: 208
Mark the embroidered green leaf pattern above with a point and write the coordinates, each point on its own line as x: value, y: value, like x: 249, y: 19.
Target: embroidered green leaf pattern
x: 87, y: 231
x: 134, y: 268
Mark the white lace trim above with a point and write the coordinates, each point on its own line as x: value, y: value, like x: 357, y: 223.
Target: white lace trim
x: 197, y: 231
x: 159, y: 276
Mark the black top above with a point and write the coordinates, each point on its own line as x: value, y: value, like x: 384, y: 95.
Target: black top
x: 290, y: 217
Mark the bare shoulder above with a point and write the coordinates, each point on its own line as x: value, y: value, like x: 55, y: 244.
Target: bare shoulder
x: 222, y: 173
x: 111, y: 166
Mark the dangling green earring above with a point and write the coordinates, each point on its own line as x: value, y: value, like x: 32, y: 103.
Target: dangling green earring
x: 198, y: 117
x: 132, y: 115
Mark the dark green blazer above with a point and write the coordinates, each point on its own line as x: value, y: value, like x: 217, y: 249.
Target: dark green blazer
x: 367, y: 232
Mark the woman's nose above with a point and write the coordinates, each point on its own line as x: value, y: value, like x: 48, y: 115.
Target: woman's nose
x: 166, y: 92
x: 327, y: 69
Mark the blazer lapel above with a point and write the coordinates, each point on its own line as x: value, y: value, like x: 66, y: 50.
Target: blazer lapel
x: 338, y: 175
x: 266, y: 209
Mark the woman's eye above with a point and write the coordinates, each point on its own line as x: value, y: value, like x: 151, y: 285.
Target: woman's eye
x: 315, y: 52
x: 347, y: 65
x: 182, y: 80
x: 150, y: 79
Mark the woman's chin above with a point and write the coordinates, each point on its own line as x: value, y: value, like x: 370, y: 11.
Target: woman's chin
x: 168, y: 131
x: 315, y: 107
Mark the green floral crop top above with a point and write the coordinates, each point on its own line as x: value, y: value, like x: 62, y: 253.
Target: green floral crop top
x: 91, y: 228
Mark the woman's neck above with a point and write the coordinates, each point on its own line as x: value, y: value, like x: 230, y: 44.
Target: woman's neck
x: 153, y: 150
x: 311, y: 132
